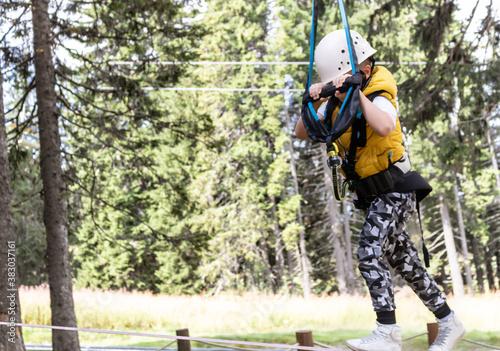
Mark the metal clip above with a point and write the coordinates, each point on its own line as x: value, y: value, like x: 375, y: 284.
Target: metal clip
x: 335, y: 162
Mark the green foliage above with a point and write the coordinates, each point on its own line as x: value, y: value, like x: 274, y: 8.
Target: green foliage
x: 184, y: 191
x: 27, y: 207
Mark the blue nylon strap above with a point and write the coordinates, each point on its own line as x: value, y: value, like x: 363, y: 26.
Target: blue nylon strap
x: 312, y: 41
x: 352, y: 57
x: 345, y: 23
x: 349, y: 45
x: 311, y: 50
x: 344, y: 103
x: 316, y: 117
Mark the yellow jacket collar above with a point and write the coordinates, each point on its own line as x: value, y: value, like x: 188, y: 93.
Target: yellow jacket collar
x: 381, y: 79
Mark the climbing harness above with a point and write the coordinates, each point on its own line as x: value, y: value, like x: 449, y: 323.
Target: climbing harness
x: 315, y: 129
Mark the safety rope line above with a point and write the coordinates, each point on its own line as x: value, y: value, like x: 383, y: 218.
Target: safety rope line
x: 415, y: 336
x: 291, y: 349
x: 215, y: 89
x: 345, y: 23
x: 312, y: 44
x: 481, y: 344
x: 231, y: 347
x: 162, y: 336
x: 324, y: 347
x: 321, y: 344
x: 228, y: 89
x: 251, y: 63
x: 167, y: 345
x: 352, y: 54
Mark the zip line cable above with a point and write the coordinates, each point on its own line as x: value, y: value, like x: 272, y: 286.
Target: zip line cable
x: 225, y: 89
x: 237, y: 63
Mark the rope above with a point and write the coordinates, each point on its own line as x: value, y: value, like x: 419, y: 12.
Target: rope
x: 207, y: 341
x: 237, y: 63
x: 229, y: 89
x: 481, y: 344
x: 322, y: 345
x: 167, y: 345
x: 231, y: 347
x: 345, y: 23
x: 212, y: 63
x: 415, y: 336
x: 291, y: 349
x: 202, y: 340
x: 216, y: 89
x: 312, y: 44
x: 352, y: 55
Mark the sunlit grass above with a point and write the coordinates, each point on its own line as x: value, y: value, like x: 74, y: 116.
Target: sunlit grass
x: 267, y: 318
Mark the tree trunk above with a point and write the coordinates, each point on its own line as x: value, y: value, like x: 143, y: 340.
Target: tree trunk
x: 280, y: 247
x: 280, y: 259
x: 263, y: 248
x: 348, y: 247
x: 497, y: 254
x: 10, y: 311
x: 335, y: 225
x: 465, y: 250
x: 476, y: 245
x: 456, y: 276
x: 494, y: 163
x: 54, y: 214
x: 489, y: 272
x: 291, y: 268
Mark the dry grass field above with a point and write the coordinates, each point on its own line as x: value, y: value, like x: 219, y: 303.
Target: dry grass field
x: 268, y: 318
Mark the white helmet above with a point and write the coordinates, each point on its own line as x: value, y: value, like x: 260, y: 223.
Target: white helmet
x: 332, y: 54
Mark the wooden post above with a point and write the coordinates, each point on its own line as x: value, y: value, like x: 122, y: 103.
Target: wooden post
x: 305, y: 338
x: 183, y: 345
x: 432, y: 329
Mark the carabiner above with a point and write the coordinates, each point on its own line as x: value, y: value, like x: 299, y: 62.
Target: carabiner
x: 335, y: 163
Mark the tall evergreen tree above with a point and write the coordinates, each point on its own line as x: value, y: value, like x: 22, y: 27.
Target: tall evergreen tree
x: 131, y: 148
x: 10, y: 309
x: 244, y: 214
x: 55, y: 215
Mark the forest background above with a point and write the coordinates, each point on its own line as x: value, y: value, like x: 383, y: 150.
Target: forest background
x: 149, y: 146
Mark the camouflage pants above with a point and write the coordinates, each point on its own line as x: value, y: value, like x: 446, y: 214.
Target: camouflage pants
x: 384, y: 240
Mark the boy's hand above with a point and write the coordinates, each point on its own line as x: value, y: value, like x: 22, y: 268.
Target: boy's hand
x: 338, y: 82
x: 315, y: 90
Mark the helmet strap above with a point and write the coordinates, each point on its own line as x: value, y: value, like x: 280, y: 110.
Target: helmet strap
x: 365, y: 81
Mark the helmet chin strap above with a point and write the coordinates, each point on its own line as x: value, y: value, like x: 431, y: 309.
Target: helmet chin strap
x: 365, y: 82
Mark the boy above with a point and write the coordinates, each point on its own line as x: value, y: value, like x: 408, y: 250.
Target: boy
x: 386, y: 189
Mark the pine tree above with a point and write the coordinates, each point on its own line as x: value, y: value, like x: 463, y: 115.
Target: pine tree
x: 131, y: 148
x: 55, y: 219
x: 10, y: 309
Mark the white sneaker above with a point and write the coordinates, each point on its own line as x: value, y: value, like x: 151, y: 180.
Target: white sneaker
x: 451, y: 331
x: 384, y: 338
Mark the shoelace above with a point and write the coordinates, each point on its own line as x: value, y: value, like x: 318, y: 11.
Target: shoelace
x: 442, y: 336
x: 377, y: 334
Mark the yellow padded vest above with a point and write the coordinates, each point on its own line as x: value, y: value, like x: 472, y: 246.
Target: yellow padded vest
x: 374, y: 157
